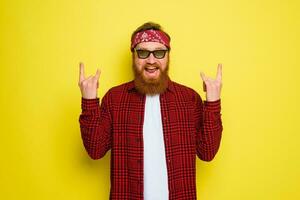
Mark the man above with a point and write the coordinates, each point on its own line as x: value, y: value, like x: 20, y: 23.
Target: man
x: 153, y: 126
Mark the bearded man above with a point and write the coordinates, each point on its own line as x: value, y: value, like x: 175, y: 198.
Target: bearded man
x: 153, y: 126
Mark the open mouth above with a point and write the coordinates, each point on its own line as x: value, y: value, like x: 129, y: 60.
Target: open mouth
x: 151, y: 69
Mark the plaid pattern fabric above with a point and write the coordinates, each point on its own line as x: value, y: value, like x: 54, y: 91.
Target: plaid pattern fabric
x: 190, y: 127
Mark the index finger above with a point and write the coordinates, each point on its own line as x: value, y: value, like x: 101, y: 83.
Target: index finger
x: 98, y: 72
x: 81, y: 72
x: 219, y: 72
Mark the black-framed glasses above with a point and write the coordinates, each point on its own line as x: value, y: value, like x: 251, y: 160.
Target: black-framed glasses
x: 143, y: 53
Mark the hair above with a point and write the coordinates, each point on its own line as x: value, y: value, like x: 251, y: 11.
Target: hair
x: 149, y: 26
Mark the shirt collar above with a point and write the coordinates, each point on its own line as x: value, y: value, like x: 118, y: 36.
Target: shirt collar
x: 131, y: 86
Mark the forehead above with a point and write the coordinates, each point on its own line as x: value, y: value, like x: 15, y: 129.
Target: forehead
x: 151, y: 45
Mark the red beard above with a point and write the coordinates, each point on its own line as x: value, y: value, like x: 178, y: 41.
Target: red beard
x: 151, y: 86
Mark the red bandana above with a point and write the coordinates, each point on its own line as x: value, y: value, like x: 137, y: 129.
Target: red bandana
x: 150, y: 36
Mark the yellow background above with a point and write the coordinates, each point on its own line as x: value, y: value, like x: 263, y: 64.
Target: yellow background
x: 42, y: 43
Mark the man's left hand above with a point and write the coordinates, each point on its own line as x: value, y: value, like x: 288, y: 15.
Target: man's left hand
x: 211, y: 86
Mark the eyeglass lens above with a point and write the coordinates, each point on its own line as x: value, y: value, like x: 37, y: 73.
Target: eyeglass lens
x: 145, y: 53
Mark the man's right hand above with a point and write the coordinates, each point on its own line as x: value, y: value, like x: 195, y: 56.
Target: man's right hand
x: 88, y: 86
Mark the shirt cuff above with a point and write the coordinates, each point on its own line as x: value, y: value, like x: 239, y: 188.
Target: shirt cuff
x: 89, y: 104
x: 213, y: 106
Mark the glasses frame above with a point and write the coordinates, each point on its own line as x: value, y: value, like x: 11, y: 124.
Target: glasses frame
x: 151, y: 52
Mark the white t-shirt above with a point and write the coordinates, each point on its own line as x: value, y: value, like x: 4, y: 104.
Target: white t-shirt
x: 155, y: 169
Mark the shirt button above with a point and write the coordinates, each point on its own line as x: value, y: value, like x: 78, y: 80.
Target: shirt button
x: 165, y: 118
x: 169, y: 160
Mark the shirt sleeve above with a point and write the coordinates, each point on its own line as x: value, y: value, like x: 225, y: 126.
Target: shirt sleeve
x: 209, y: 128
x: 95, y: 126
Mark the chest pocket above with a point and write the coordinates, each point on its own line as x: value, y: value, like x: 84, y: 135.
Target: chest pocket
x: 181, y: 114
x: 182, y: 126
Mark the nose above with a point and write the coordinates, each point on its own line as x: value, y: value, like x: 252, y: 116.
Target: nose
x: 151, y: 59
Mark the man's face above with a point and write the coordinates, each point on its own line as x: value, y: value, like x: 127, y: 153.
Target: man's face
x: 151, y: 68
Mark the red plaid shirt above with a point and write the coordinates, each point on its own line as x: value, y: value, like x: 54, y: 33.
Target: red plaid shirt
x: 190, y: 128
